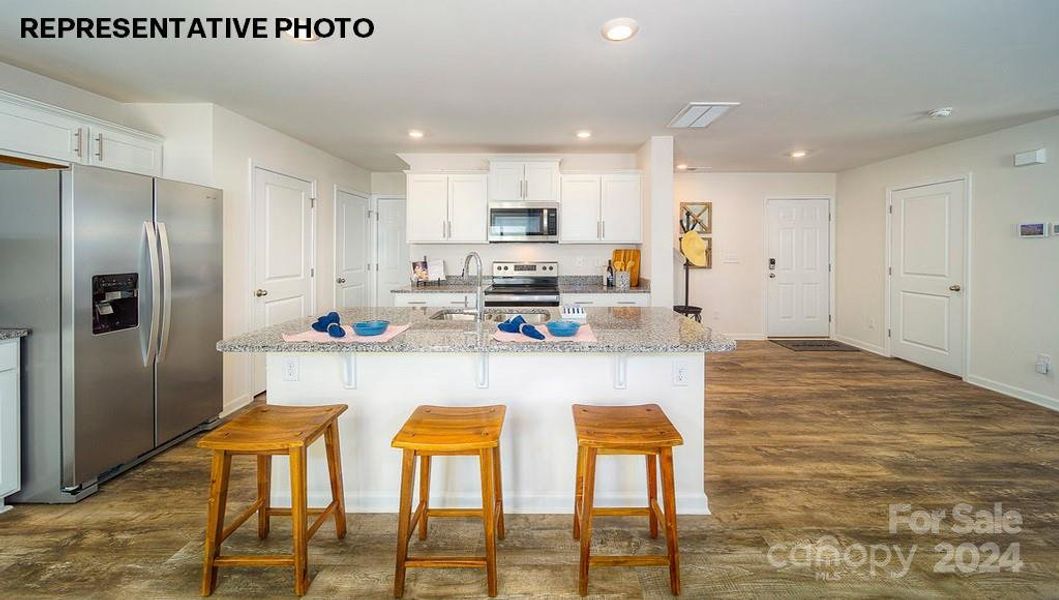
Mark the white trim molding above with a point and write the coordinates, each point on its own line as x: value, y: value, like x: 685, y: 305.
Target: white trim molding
x: 1013, y: 392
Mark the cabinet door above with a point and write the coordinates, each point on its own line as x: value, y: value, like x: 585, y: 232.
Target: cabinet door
x: 428, y: 199
x: 468, y: 208
x: 435, y: 300
x: 610, y: 299
x: 124, y: 151
x: 621, y: 208
x: 579, y: 215
x: 34, y: 133
x: 542, y: 182
x: 505, y: 181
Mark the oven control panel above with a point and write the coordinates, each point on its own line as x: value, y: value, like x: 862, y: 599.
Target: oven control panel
x: 525, y: 269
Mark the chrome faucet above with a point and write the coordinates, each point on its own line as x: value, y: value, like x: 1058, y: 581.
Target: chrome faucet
x: 478, y: 297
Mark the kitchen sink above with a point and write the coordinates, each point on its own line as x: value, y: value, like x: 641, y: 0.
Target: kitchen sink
x: 531, y: 316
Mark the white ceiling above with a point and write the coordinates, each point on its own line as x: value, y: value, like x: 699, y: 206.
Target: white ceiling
x: 849, y: 80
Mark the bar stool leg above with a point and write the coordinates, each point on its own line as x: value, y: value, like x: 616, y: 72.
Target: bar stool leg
x: 298, y: 514
x: 586, y: 518
x: 652, y: 493
x: 669, y: 499
x: 579, y: 485
x: 485, y: 458
x: 424, y: 494
x: 219, y: 471
x: 264, y: 492
x: 334, y: 470
x: 404, y: 518
x: 498, y: 493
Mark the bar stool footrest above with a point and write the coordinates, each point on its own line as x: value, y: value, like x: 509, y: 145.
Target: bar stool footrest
x: 254, y: 560
x: 648, y: 560
x: 446, y: 562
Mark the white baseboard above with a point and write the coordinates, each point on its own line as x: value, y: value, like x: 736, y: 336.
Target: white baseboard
x: 234, y: 405
x: 862, y: 345
x: 1015, y: 392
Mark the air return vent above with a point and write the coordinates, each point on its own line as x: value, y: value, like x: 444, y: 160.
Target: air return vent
x: 700, y: 114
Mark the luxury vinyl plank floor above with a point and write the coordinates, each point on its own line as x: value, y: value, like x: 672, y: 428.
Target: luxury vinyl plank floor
x: 804, y: 450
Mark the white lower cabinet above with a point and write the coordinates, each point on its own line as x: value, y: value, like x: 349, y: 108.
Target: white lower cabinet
x: 608, y: 299
x: 432, y: 299
x: 10, y: 421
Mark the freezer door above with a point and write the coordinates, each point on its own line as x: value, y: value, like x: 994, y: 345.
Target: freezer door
x: 189, y: 380
x: 108, y: 321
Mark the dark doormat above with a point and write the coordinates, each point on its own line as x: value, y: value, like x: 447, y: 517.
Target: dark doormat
x: 815, y: 345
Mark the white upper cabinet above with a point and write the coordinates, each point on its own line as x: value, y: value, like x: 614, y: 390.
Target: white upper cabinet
x: 37, y: 131
x: 524, y: 181
x: 446, y: 208
x: 125, y: 150
x: 621, y: 208
x: 601, y: 209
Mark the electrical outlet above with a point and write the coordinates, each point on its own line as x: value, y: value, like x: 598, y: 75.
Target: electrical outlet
x: 1044, y: 364
x: 871, y: 323
x: 681, y: 373
x: 291, y: 368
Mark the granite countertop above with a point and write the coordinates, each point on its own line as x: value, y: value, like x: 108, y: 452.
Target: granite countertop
x: 573, y: 284
x: 10, y: 333
x: 625, y: 330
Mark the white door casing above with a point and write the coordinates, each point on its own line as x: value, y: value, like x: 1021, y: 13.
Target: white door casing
x: 798, y: 290
x: 283, y: 254
x: 392, y: 266
x: 353, y: 245
x: 927, y: 266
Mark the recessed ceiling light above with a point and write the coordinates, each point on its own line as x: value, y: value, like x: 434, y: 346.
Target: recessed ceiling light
x: 415, y: 133
x: 311, y: 37
x: 798, y: 154
x: 682, y: 167
x: 940, y: 113
x: 620, y: 29
x: 584, y: 134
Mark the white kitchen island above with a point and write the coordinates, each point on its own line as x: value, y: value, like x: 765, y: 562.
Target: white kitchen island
x: 643, y: 355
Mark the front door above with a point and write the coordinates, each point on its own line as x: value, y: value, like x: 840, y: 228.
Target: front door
x: 282, y: 277
x: 927, y: 244
x: 798, y: 276
x: 352, y: 250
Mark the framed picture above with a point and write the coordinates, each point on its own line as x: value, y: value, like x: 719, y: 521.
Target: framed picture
x: 419, y: 270
x: 697, y: 217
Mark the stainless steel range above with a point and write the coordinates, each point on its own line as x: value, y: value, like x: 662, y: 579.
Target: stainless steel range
x: 524, y: 284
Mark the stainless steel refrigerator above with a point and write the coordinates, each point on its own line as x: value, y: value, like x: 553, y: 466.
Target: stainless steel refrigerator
x: 119, y: 277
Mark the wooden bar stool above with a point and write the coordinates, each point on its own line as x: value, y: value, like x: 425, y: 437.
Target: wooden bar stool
x: 449, y: 431
x: 265, y: 431
x: 630, y: 430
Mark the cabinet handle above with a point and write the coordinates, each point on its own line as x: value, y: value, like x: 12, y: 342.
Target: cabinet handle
x: 603, y: 224
x: 340, y: 280
x: 417, y: 301
x: 584, y: 302
x: 77, y: 139
x: 625, y: 302
x: 443, y: 230
x: 99, y: 147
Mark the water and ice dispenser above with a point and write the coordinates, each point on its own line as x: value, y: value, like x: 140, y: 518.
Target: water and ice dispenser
x: 115, y: 302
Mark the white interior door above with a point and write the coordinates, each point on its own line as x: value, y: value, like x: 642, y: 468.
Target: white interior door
x: 798, y: 276
x: 352, y: 250
x: 392, y: 266
x: 927, y: 302
x: 282, y: 239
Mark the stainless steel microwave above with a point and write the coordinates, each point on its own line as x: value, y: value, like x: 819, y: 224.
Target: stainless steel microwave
x: 524, y: 222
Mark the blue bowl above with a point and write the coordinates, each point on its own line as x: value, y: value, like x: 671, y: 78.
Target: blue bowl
x: 563, y: 328
x: 368, y: 328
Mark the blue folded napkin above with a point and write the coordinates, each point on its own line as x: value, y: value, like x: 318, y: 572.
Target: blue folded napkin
x: 517, y: 324
x: 336, y: 331
x: 325, y: 321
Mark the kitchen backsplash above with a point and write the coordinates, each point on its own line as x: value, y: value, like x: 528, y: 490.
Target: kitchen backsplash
x: 580, y: 259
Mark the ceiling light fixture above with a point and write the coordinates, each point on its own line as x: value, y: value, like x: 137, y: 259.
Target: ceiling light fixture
x: 682, y: 167
x: 940, y: 113
x: 799, y: 154
x: 700, y: 114
x: 584, y: 134
x: 685, y: 168
x: 620, y: 29
x: 415, y: 133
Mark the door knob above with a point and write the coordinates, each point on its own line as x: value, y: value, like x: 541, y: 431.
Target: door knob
x: 340, y: 280
x: 955, y: 287
x: 260, y: 293
x: 772, y: 275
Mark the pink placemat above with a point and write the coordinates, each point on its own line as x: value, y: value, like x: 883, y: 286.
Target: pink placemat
x: 312, y: 335
x: 584, y: 334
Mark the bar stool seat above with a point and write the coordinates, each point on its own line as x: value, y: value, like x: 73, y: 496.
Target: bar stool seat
x: 264, y: 431
x: 450, y: 431
x: 629, y: 430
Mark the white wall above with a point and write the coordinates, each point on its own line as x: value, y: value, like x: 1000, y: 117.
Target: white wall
x: 427, y: 161
x: 732, y: 293
x: 388, y: 183
x: 655, y: 160
x: 237, y: 142
x: 1013, y: 290
x: 187, y: 153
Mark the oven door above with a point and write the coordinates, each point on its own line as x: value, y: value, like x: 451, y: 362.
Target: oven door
x: 502, y: 299
x: 524, y: 222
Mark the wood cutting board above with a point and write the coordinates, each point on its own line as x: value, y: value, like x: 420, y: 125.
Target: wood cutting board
x: 631, y: 258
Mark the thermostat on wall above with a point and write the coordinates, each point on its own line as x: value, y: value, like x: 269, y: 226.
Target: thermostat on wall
x: 1034, y: 230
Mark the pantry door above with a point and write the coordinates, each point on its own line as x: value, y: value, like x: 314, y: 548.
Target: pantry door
x: 798, y: 290
x: 927, y: 296
x: 353, y: 243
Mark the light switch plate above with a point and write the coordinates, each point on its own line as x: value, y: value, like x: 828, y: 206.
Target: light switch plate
x: 681, y: 373
x: 291, y: 368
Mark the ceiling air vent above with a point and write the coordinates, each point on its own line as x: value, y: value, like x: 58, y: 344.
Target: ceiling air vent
x: 700, y: 114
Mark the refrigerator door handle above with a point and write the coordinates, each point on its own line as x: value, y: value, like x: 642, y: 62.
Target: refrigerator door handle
x: 167, y: 290
x: 156, y: 308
